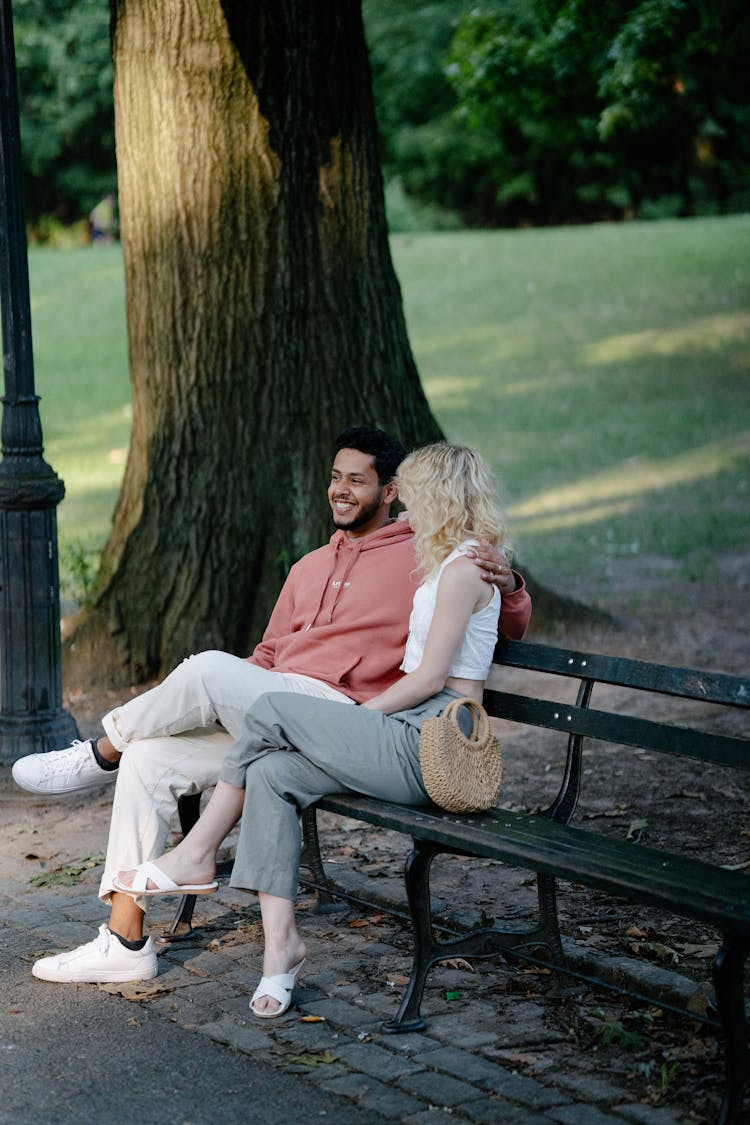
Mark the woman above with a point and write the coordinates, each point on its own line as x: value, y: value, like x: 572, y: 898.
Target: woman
x: 295, y: 749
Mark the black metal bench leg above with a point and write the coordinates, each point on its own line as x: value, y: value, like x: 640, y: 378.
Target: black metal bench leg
x: 417, y: 879
x: 728, y: 983
x: 188, y: 811
x: 549, y: 925
x: 311, y: 859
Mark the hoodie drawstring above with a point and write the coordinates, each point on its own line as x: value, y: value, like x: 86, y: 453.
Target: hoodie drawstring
x: 352, y: 559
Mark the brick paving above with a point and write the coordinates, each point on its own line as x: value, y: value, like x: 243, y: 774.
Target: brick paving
x: 513, y: 1045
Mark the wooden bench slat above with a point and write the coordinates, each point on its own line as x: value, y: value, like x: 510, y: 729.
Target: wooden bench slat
x: 629, y: 730
x: 710, y: 687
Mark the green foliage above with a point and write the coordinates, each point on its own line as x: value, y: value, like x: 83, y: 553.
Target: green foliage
x: 407, y: 213
x: 427, y: 153
x: 662, y: 1077
x: 491, y: 113
x: 600, y: 109
x: 49, y: 231
x: 79, y: 565
x: 614, y: 1032
x: 65, y: 95
x: 68, y: 876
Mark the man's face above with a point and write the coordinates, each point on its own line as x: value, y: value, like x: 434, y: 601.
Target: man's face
x: 359, y: 502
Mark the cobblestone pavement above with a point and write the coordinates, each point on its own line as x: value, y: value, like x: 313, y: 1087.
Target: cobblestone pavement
x: 503, y: 1043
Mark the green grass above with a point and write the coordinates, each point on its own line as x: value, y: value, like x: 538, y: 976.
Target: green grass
x: 605, y: 371
x: 81, y: 367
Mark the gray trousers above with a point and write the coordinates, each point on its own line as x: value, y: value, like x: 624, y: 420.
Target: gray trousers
x: 294, y: 750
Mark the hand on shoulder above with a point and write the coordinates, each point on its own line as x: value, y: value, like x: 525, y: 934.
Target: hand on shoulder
x: 493, y: 565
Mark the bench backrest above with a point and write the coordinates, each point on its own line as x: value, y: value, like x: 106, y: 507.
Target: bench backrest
x: 580, y: 720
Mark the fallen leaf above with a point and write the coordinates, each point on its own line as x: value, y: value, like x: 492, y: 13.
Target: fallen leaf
x: 313, y: 1059
x: 240, y: 936
x: 358, y: 923
x: 620, y: 810
x: 517, y: 1059
x: 458, y: 963
x: 701, y: 1001
x: 656, y: 949
x: 709, y: 949
x: 396, y: 978
x: 67, y: 876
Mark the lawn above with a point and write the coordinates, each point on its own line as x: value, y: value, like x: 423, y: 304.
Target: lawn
x: 605, y: 370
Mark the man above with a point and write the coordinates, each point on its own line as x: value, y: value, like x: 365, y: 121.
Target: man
x: 337, y: 631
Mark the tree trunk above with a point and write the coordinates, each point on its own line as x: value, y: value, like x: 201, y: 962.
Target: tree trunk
x: 263, y: 312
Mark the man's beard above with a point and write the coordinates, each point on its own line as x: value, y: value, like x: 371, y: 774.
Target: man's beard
x: 364, y: 516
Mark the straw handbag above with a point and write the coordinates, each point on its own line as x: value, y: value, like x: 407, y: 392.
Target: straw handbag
x: 461, y: 773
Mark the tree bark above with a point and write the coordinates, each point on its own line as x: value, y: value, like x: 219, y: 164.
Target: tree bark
x: 263, y: 313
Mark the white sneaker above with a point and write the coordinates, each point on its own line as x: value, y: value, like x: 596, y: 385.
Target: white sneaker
x: 99, y: 961
x: 62, y: 771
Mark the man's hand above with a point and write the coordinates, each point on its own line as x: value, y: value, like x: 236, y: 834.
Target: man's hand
x: 494, y: 565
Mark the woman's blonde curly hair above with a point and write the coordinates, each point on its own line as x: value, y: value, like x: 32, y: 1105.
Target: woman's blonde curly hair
x: 451, y: 495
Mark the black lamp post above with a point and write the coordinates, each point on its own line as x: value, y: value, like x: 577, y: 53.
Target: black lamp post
x: 31, y: 714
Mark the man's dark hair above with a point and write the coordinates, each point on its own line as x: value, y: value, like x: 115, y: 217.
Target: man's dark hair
x: 387, y: 452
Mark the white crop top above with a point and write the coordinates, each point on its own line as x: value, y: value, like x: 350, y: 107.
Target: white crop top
x: 474, y: 657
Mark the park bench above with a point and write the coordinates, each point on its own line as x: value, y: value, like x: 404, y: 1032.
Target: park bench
x: 548, y: 844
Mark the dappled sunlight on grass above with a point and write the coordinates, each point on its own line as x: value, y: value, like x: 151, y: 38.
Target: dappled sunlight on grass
x: 616, y: 490
x: 490, y: 344
x: 452, y: 391
x: 571, y: 517
x: 93, y: 475
x: 704, y: 333
x: 456, y: 391
x: 84, y: 434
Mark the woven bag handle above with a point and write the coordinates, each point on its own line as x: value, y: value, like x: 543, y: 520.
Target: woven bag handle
x: 481, y: 723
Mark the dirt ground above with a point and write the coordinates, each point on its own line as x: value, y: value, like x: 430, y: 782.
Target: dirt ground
x: 657, y: 614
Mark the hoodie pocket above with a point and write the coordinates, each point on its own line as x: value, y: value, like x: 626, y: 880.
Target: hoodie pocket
x: 326, y: 659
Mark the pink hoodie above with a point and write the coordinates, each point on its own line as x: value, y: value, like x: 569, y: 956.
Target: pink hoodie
x: 343, y: 613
